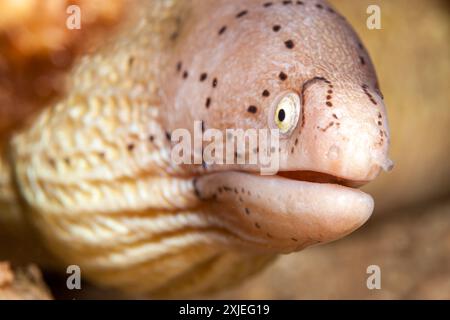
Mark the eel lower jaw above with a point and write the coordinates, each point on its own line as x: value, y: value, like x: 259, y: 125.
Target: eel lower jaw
x: 285, y: 212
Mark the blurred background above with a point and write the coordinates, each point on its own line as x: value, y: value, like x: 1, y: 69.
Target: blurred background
x: 408, y: 236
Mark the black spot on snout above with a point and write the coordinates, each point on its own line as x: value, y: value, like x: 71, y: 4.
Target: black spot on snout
x: 222, y: 30
x: 252, y: 109
x: 289, y: 44
x: 283, y: 76
x: 241, y: 14
x: 179, y: 66
x: 361, y: 59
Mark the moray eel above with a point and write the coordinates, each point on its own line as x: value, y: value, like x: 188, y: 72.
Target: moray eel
x: 94, y: 175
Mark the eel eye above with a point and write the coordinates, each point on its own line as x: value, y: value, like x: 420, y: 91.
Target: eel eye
x: 287, y: 112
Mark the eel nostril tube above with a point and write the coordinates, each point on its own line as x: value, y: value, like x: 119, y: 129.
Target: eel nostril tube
x: 387, y: 165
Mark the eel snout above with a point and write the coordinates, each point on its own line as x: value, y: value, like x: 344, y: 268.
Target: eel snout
x: 281, y: 214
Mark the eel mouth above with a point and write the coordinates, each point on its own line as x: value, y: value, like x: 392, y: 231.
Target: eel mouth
x: 323, y: 178
x: 287, y: 211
